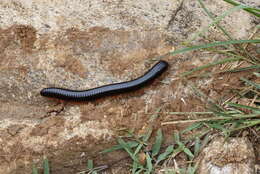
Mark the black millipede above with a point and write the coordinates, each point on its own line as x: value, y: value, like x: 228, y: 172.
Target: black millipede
x: 106, y: 90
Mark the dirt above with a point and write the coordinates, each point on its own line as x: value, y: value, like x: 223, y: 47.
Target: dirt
x: 81, y: 45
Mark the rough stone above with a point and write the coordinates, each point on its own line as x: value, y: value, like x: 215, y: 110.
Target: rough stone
x: 233, y: 156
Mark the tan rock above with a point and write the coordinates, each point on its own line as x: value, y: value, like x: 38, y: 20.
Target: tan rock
x: 232, y: 156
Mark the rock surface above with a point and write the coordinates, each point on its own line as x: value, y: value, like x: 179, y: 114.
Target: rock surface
x: 234, y: 156
x: 83, y: 44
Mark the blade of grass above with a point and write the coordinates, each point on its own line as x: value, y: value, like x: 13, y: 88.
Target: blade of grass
x: 145, y: 139
x: 46, y: 167
x: 210, y: 65
x: 214, y: 44
x: 200, y: 134
x: 94, y: 170
x: 199, y: 93
x: 219, y: 126
x: 149, y: 163
x: 249, y: 9
x: 189, y: 113
x: 34, y: 170
x: 257, y: 86
x: 231, y: 53
x: 176, y: 137
x: 250, y: 124
x: 244, y: 107
x: 227, y: 71
x: 127, y: 149
x: 192, y: 127
x: 155, y: 115
x: 205, y: 140
x: 178, y: 150
x: 228, y: 113
x: 191, y: 169
x: 234, y: 117
x: 188, y: 152
x: 215, y: 125
x: 243, y: 69
x: 223, y: 30
x: 90, y: 165
x: 218, y: 19
x: 165, y: 154
x: 197, y: 146
x: 135, y: 168
x: 147, y: 134
x: 158, y: 142
x: 137, y: 150
x: 139, y: 171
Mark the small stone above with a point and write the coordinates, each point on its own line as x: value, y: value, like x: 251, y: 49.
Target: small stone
x: 232, y: 156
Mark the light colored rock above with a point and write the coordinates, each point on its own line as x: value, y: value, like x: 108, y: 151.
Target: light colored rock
x: 232, y: 156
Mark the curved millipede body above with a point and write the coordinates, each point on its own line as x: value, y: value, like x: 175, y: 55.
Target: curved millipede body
x: 115, y: 88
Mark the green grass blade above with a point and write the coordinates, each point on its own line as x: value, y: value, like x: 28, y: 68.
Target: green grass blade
x: 216, y: 125
x: 147, y: 134
x: 178, y: 150
x: 210, y: 65
x: 223, y: 30
x: 199, y: 93
x: 205, y: 140
x: 46, y: 167
x: 189, y: 113
x: 138, y: 171
x: 197, y: 146
x: 176, y: 137
x: 226, y: 33
x: 212, y: 17
x: 243, y: 69
x: 214, y: 44
x: 188, y: 152
x: 149, y: 164
x: 127, y: 148
x: 34, y: 170
x: 253, y: 11
x: 135, y: 167
x: 218, y: 19
x: 257, y: 86
x: 139, y: 147
x: 192, y: 127
x: 90, y: 165
x: 249, y: 124
x: 244, y: 107
x: 155, y: 115
x: 191, y: 169
x: 164, y: 155
x: 158, y: 142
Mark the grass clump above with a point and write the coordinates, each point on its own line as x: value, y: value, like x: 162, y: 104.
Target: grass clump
x: 148, y: 161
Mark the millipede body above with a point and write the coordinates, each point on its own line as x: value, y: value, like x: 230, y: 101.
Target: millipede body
x: 106, y: 90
